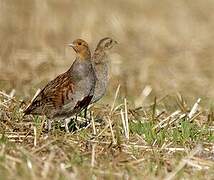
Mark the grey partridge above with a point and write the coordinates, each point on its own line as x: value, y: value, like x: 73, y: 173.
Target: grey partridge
x: 69, y: 92
x: 100, y: 63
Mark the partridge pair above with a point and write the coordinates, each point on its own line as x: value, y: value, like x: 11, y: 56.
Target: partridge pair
x: 83, y: 83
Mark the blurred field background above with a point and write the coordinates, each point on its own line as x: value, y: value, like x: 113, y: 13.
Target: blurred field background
x: 167, y: 45
x: 164, y: 46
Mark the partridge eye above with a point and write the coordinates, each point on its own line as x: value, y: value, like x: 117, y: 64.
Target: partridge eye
x: 79, y: 43
x: 107, y: 44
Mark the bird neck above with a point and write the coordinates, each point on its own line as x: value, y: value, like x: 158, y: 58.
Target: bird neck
x: 80, y: 68
x: 99, y: 57
x: 84, y: 55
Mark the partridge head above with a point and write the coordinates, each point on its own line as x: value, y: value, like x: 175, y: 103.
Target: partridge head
x: 81, y: 48
x: 102, y: 49
x: 106, y: 44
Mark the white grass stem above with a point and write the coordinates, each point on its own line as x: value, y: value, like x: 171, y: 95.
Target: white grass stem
x: 4, y: 94
x: 126, y: 118
x: 112, y: 132
x: 194, y: 108
x: 35, y: 136
x: 115, y: 97
x: 173, y: 120
x: 167, y: 119
x: 124, y: 123
x: 93, y: 124
x: 105, y: 128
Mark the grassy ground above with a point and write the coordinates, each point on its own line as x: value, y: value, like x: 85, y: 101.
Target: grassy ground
x: 156, y: 120
x: 120, y: 142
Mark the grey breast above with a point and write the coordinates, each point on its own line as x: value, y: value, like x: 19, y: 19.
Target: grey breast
x: 102, y: 78
x: 83, y: 77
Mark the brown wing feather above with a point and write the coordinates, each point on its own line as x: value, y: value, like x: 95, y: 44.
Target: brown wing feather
x: 53, y: 96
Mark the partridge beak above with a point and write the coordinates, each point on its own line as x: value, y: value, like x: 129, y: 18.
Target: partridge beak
x: 71, y: 45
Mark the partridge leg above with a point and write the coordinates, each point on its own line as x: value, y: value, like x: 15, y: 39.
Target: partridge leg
x: 67, y: 121
x: 49, y: 125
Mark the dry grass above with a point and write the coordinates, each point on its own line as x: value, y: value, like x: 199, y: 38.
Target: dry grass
x: 165, y: 50
x: 120, y: 142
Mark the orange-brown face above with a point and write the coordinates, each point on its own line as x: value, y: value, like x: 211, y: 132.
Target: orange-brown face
x: 79, y: 46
